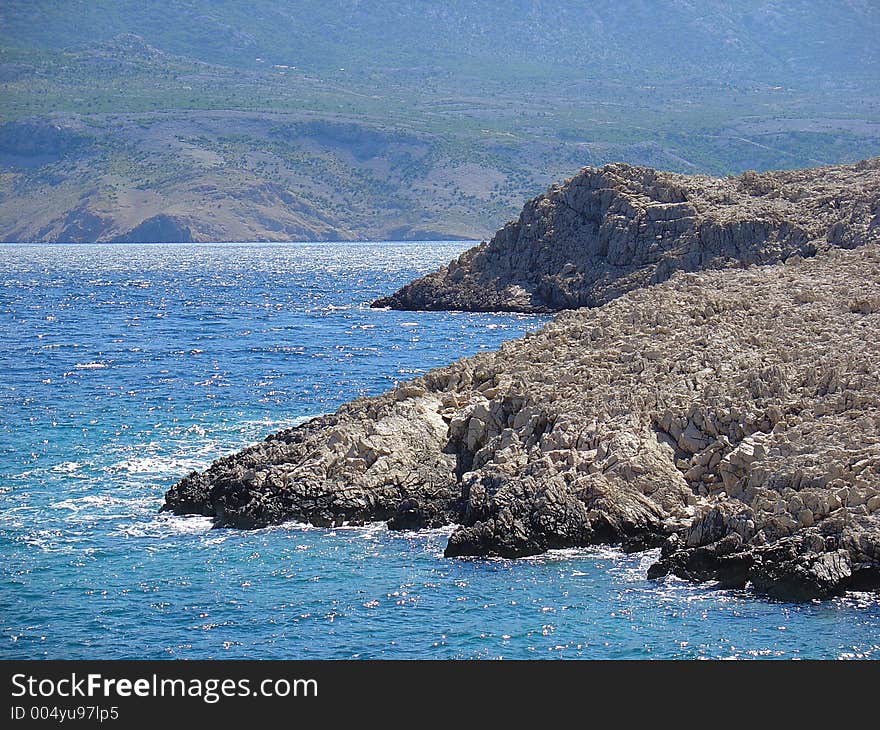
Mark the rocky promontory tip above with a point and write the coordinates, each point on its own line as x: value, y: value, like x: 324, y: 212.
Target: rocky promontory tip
x: 730, y: 417
x: 612, y: 229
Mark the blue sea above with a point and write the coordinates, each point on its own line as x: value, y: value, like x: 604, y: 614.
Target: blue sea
x: 123, y: 367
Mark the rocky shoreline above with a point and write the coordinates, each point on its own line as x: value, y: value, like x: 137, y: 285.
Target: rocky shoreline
x: 613, y: 229
x: 730, y: 417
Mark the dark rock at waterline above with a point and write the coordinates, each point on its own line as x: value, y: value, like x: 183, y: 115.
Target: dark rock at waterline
x: 811, y: 563
x: 801, y: 568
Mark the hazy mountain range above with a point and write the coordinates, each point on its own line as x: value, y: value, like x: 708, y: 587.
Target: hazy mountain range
x: 327, y: 120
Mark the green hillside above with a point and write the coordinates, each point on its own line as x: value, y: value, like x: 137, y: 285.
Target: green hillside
x: 272, y: 120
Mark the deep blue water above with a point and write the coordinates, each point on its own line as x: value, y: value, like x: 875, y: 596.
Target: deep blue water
x: 124, y: 366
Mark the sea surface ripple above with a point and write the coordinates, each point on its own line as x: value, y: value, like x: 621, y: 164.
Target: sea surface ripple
x: 123, y: 367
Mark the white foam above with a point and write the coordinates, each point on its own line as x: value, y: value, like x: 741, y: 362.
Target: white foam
x: 165, y: 525
x: 275, y: 425
x: 593, y: 552
x: 428, y: 532
x: 216, y: 540
x: 370, y: 528
x: 162, y: 465
x: 291, y: 526
x: 66, y: 467
x: 47, y: 541
x: 78, y: 504
x: 90, y: 365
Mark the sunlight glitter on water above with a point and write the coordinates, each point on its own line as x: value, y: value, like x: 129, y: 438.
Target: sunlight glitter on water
x: 251, y: 340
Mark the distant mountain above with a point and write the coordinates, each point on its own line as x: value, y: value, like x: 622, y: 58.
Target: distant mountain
x: 783, y: 40
x: 271, y: 120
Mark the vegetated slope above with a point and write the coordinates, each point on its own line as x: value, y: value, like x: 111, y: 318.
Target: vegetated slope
x: 280, y: 121
x: 763, y: 40
x: 609, y: 230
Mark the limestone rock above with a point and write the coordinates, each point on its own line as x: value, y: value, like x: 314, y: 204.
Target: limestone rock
x: 612, y: 229
x: 731, y: 416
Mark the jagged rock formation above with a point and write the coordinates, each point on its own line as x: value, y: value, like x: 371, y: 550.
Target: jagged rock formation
x: 609, y: 230
x: 730, y: 416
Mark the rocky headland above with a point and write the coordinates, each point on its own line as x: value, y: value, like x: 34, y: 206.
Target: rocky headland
x: 612, y: 229
x: 729, y: 416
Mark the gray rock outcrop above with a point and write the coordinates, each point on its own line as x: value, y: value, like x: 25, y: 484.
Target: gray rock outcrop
x: 731, y: 417
x: 609, y: 230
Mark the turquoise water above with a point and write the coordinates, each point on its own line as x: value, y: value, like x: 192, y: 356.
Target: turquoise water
x: 122, y: 367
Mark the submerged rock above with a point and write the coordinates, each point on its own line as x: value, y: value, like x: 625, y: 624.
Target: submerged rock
x: 609, y: 230
x: 730, y: 416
